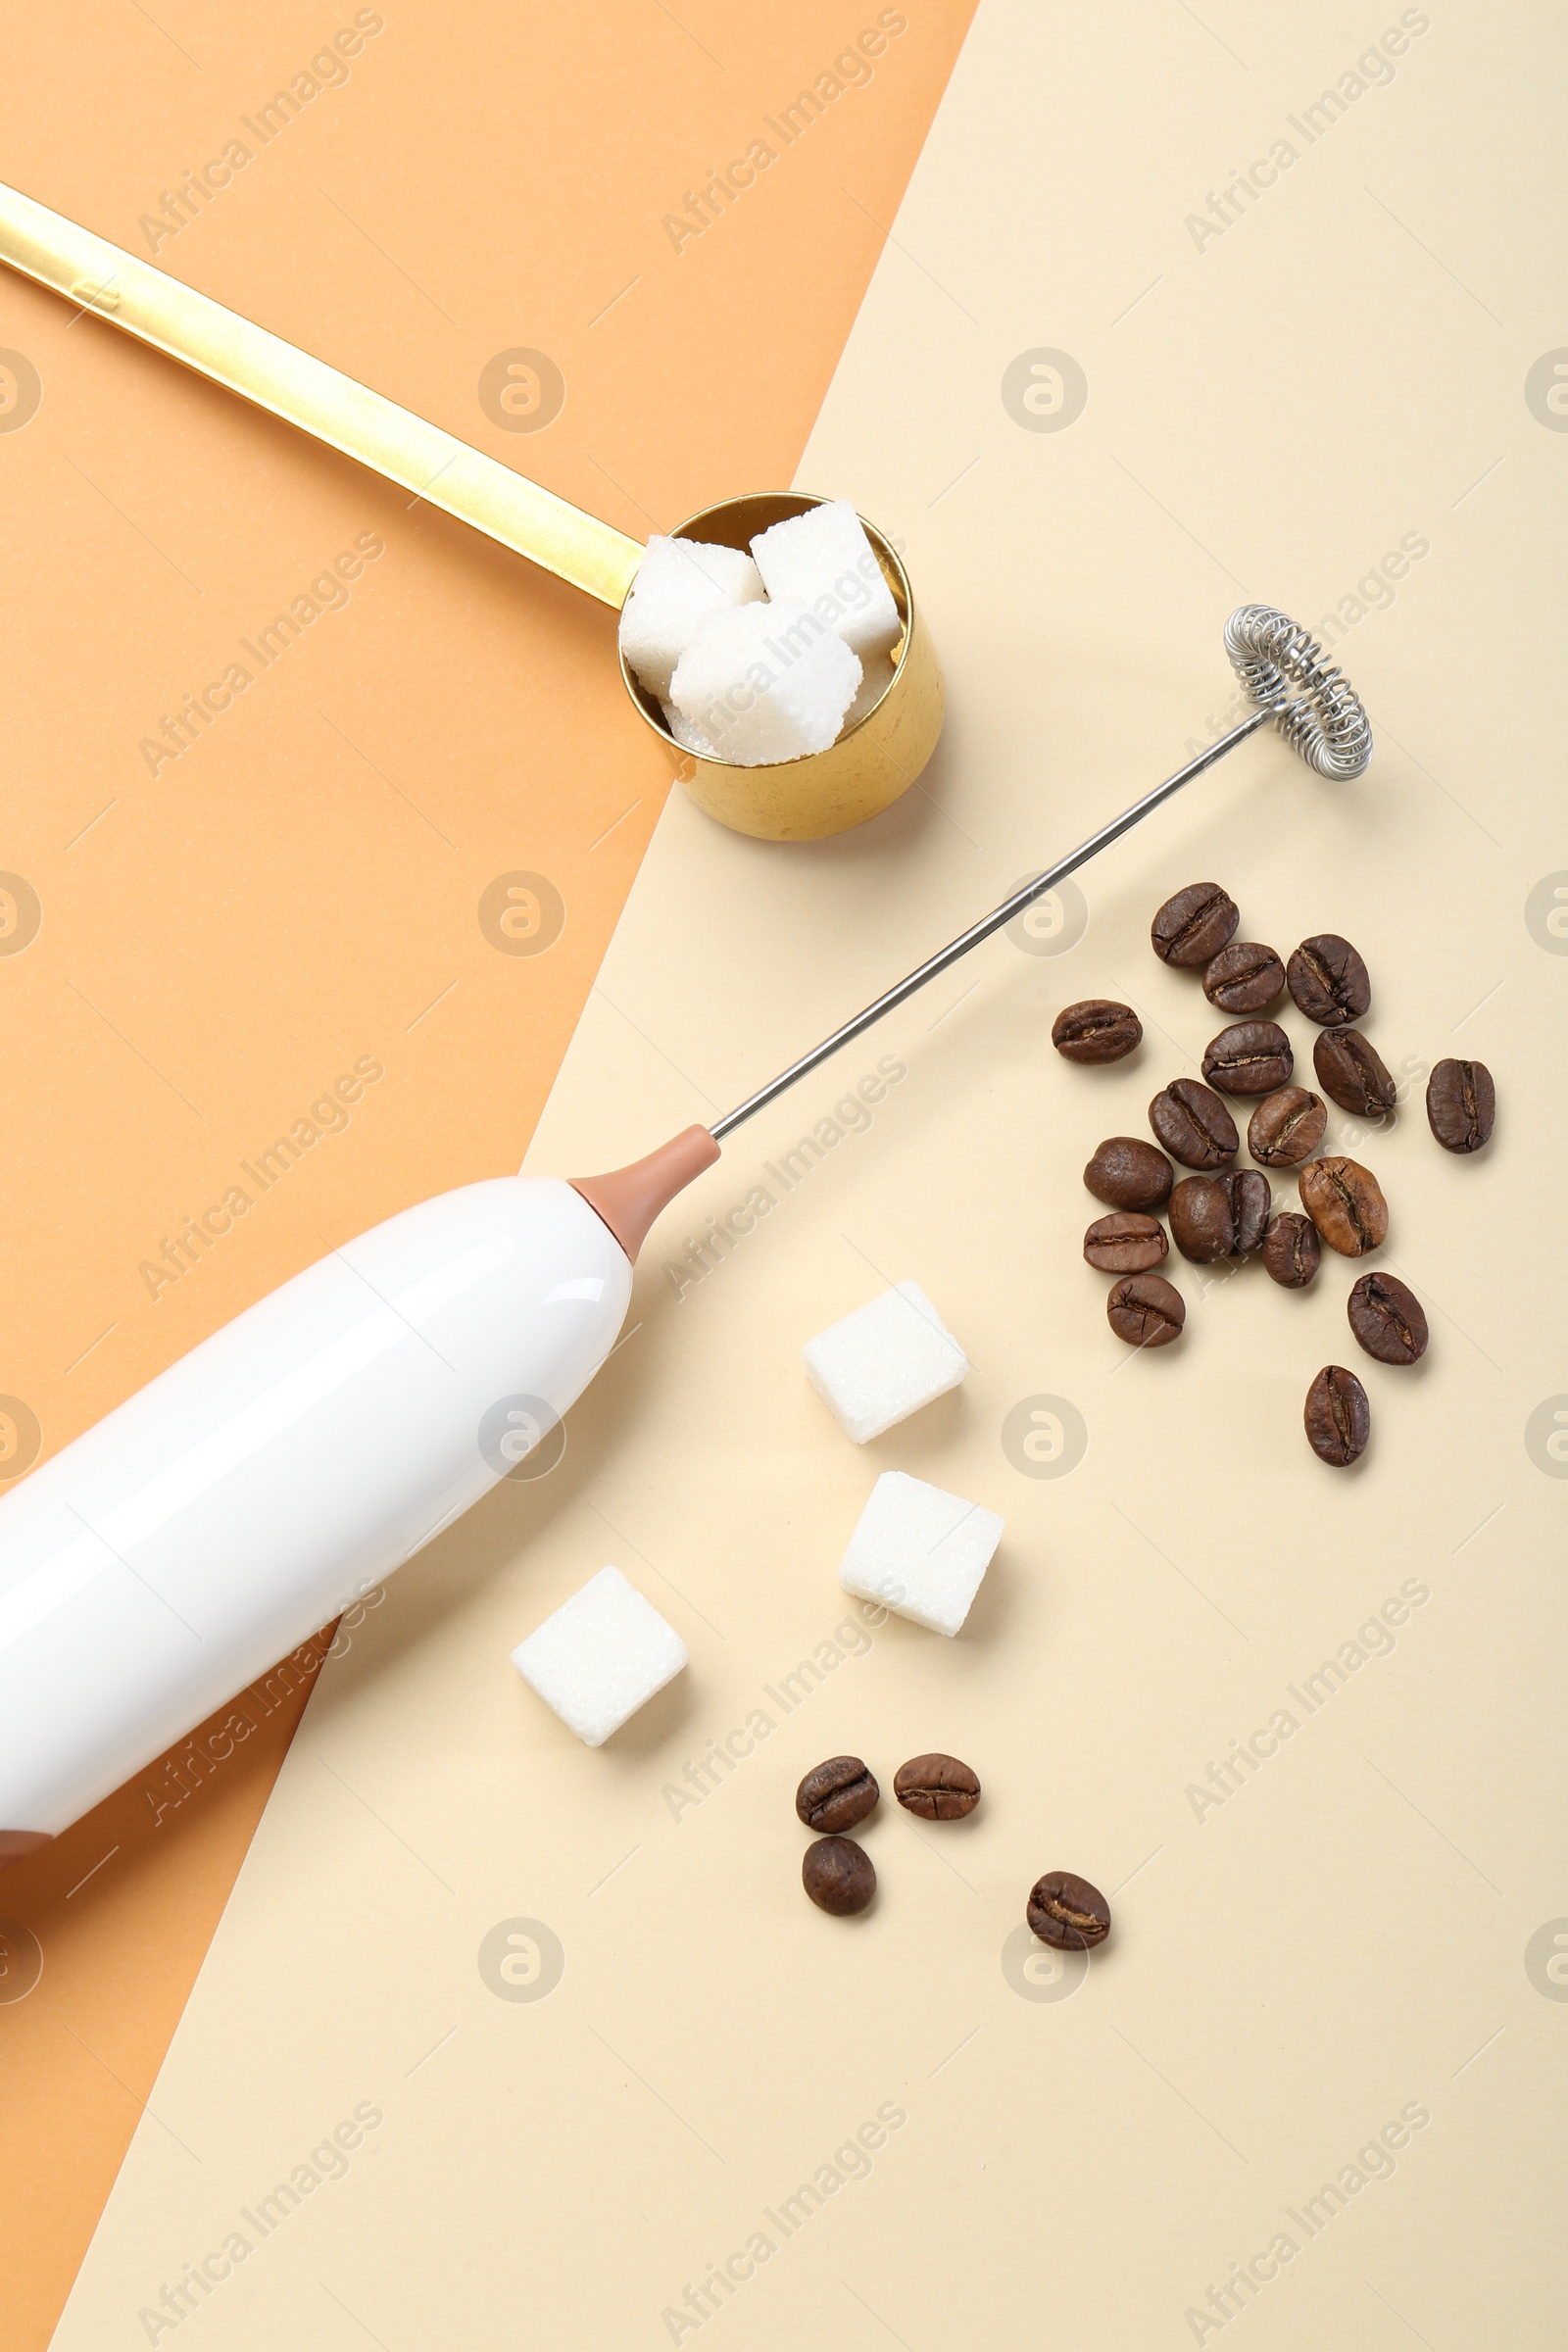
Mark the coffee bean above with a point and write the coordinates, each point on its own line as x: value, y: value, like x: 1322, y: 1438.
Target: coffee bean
x: 1461, y: 1104
x: 1067, y: 1913
x: 1292, y: 1250
x: 1351, y: 1069
x: 838, y: 1875
x: 938, y: 1787
x: 1219, y: 1216
x: 1287, y: 1127
x: 1128, y: 1173
x: 1193, y: 926
x: 1146, y: 1310
x: 1345, y: 1203
x: 1329, y: 981
x: 1244, y: 977
x: 1386, y: 1318
x: 1097, y: 1030
x: 1125, y: 1244
x: 1250, y: 1057
x: 1337, y: 1417
x: 835, y: 1796
x: 1194, y: 1125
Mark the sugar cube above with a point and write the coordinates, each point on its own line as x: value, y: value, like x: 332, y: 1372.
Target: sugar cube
x: 884, y: 1361
x: 765, y: 682
x: 920, y: 1550
x: 678, y: 581
x: 824, y: 559
x: 601, y: 1656
x: 690, y: 738
x: 876, y: 676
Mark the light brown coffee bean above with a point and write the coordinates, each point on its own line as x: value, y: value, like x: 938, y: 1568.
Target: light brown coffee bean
x: 1128, y: 1173
x: 1350, y: 1068
x: 1194, y: 1124
x: 1287, y: 1127
x: 936, y: 1786
x: 1067, y: 1913
x: 1291, y: 1251
x: 1146, y: 1310
x: 1345, y: 1203
x: 1097, y: 1030
x: 1125, y: 1244
x: 1219, y: 1216
x: 838, y: 1875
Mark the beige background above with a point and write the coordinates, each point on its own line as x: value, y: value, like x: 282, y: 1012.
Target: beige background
x: 1344, y: 1937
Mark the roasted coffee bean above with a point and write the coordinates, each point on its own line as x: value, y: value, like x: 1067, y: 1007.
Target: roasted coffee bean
x: 1387, y: 1317
x: 1244, y: 977
x: 1329, y: 981
x: 1067, y: 1913
x: 1128, y: 1173
x: 1194, y: 1125
x: 1461, y: 1104
x: 1097, y: 1030
x: 1345, y: 1203
x: 938, y: 1787
x: 1125, y: 1244
x: 1287, y: 1127
x: 1292, y: 1250
x: 835, y: 1796
x: 838, y: 1875
x: 1219, y: 1216
x: 1146, y: 1310
x: 1250, y: 1057
x: 1351, y: 1069
x: 1193, y: 926
x: 1337, y: 1417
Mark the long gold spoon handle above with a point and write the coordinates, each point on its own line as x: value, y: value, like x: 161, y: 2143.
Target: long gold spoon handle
x: 217, y: 342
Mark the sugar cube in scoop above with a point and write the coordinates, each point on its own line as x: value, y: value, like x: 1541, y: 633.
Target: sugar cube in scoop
x: 876, y: 676
x: 601, y: 1656
x: 765, y: 682
x: 678, y: 581
x: 884, y: 1361
x: 824, y: 559
x: 920, y: 1550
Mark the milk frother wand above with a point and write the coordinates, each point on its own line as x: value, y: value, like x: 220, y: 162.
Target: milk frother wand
x: 291, y: 1461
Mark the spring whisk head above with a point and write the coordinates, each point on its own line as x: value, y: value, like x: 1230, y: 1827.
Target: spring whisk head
x: 1323, y: 718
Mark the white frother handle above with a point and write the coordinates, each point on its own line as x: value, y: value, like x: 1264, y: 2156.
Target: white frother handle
x: 221, y: 1516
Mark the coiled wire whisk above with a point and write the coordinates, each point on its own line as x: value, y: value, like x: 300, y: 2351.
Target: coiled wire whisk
x: 1324, y: 722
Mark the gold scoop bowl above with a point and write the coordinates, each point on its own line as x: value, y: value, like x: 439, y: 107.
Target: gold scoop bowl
x: 793, y: 800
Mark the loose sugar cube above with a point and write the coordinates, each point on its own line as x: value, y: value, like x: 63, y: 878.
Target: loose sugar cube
x: 884, y: 1361
x: 920, y: 1550
x: 824, y: 557
x: 876, y: 676
x: 690, y: 738
x: 601, y: 1656
x: 765, y: 682
x: 678, y: 581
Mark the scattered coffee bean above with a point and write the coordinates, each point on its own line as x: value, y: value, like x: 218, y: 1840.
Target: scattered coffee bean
x: 1351, y: 1071
x: 1461, y: 1104
x: 1250, y: 1057
x: 938, y: 1787
x: 1128, y: 1173
x: 1193, y: 926
x: 1194, y: 1125
x: 1067, y: 1913
x: 1386, y: 1318
x: 1125, y: 1244
x: 1287, y: 1127
x: 1345, y: 1203
x: 1244, y: 977
x: 1337, y: 1417
x: 838, y: 1875
x: 1292, y: 1250
x: 1329, y: 981
x: 1219, y: 1216
x: 1097, y: 1030
x: 835, y: 1796
x: 1146, y: 1310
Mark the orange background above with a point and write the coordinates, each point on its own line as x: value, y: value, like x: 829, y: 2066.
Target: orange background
x: 300, y: 888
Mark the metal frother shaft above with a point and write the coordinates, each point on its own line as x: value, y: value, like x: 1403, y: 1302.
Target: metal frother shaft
x: 1324, y: 722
